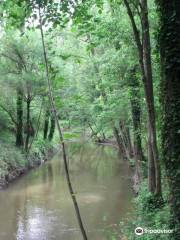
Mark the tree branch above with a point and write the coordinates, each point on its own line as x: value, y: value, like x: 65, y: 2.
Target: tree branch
x: 9, y: 57
x: 9, y: 113
x: 137, y: 39
x: 134, y: 26
x: 51, y: 100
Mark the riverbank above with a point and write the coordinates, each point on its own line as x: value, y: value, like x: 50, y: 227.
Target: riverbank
x: 14, y: 162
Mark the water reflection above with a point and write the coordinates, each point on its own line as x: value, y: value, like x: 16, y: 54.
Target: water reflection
x: 38, y: 206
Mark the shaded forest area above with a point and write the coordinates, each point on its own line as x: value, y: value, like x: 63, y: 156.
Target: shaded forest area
x: 108, y: 69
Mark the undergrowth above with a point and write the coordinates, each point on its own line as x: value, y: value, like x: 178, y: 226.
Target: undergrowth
x: 148, y: 217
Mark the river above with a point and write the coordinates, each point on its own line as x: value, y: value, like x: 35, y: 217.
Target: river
x: 37, y: 206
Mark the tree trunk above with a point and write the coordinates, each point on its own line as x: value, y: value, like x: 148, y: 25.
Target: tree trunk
x: 151, y: 165
x: 19, y: 128
x: 52, y: 128
x: 28, y: 125
x: 118, y: 140
x: 126, y: 139
x: 130, y: 147
x: 61, y: 138
x: 136, y: 113
x: 144, y: 51
x: 150, y: 101
x: 46, y: 123
x: 170, y: 88
x: 136, y: 119
x: 94, y: 133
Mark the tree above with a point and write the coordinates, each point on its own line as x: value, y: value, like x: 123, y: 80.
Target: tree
x: 170, y: 87
x: 52, y: 128
x: 134, y: 85
x: 46, y: 123
x: 20, y: 62
x: 144, y: 51
x: 19, y: 120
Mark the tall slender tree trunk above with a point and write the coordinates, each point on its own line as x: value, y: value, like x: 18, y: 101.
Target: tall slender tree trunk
x: 170, y: 89
x: 126, y: 138
x: 136, y: 119
x: 150, y: 99
x: 19, y: 111
x: 136, y: 113
x: 61, y: 137
x: 52, y: 128
x: 129, y: 141
x: 118, y: 140
x: 46, y: 123
x: 151, y: 165
x: 28, y: 124
x: 144, y: 51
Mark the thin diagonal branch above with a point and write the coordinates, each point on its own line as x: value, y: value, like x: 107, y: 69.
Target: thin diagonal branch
x: 51, y: 99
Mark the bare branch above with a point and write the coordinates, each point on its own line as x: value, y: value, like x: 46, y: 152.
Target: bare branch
x: 134, y: 26
x: 137, y: 38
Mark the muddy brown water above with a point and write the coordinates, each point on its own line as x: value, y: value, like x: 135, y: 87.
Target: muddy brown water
x: 38, y: 206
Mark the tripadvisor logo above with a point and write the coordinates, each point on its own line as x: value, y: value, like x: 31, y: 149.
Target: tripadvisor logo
x: 139, y: 231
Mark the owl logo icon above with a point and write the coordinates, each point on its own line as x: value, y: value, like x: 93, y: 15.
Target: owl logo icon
x: 139, y: 231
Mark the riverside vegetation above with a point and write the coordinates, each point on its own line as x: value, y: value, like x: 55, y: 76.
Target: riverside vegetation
x: 107, y: 69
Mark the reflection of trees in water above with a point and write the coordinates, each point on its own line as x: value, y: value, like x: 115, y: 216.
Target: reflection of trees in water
x: 50, y: 172
x: 100, y: 160
x: 44, y: 175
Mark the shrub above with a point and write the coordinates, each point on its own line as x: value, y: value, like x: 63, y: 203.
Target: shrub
x: 147, y: 216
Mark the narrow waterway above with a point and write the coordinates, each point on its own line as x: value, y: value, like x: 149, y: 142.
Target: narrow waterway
x: 38, y: 206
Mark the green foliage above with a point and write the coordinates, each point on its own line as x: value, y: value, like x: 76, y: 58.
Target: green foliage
x: 41, y: 146
x: 10, y: 158
x: 90, y: 50
x: 71, y: 135
x: 146, y: 216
